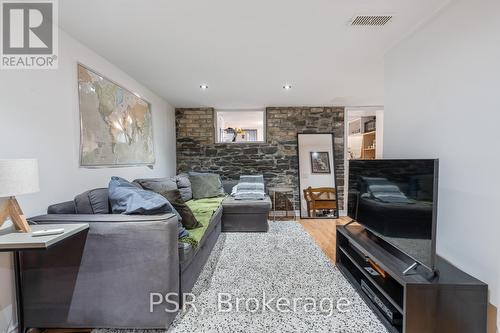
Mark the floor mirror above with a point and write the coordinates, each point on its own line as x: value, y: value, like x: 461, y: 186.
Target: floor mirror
x: 317, y: 182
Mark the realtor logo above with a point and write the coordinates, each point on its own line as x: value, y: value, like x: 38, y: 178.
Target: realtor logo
x: 29, y: 34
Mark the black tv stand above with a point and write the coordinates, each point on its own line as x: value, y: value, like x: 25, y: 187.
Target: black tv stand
x: 411, y: 268
x: 449, y: 301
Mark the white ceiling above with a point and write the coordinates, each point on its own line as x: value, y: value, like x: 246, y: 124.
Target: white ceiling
x: 245, y: 50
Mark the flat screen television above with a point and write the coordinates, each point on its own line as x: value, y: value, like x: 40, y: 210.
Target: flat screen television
x: 397, y: 201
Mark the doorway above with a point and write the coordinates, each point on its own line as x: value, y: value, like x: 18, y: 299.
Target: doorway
x: 365, y: 133
x: 364, y: 138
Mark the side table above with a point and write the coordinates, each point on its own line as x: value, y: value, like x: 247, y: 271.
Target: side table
x: 16, y: 242
x: 284, y: 191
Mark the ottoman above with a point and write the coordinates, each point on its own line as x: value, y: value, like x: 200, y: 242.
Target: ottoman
x: 245, y: 215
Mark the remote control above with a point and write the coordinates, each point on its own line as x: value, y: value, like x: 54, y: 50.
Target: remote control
x: 47, y: 232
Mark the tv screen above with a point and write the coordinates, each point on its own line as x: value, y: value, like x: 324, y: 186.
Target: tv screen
x: 397, y: 201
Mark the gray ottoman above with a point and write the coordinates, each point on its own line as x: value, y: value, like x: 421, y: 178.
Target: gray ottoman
x: 245, y: 215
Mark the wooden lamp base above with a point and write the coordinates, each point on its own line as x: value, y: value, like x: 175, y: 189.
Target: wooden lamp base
x: 12, y: 209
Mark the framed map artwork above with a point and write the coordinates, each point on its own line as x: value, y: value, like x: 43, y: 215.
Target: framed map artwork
x: 115, y: 124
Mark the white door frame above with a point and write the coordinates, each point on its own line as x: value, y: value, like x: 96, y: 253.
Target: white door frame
x: 347, y: 110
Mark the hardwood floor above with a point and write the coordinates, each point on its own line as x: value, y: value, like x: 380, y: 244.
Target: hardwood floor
x: 323, y: 231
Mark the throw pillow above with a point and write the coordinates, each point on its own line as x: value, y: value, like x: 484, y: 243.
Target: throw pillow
x: 94, y: 201
x: 157, y: 185
x: 188, y: 219
x: 181, y: 231
x: 127, y: 198
x: 206, y: 185
x: 184, y: 186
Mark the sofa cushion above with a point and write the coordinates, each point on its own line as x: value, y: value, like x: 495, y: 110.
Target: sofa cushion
x: 94, y: 201
x: 184, y: 186
x: 233, y: 206
x: 206, y: 185
x: 189, y: 221
x: 67, y: 207
x: 127, y: 198
x: 158, y: 185
x: 204, y: 210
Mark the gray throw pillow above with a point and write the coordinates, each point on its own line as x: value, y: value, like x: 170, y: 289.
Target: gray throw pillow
x: 189, y: 221
x: 94, y: 201
x: 206, y: 185
x: 158, y: 185
x: 127, y: 198
x: 184, y: 186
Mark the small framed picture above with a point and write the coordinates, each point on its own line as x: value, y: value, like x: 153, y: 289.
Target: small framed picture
x: 320, y: 162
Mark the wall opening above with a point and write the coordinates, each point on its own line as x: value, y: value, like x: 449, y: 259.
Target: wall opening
x: 240, y: 126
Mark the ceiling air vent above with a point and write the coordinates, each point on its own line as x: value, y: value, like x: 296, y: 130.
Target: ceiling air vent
x: 371, y: 20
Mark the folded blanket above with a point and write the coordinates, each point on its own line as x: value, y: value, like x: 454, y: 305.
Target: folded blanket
x: 250, y: 195
x: 249, y: 188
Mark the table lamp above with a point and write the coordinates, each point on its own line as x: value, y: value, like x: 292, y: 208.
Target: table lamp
x: 17, y: 176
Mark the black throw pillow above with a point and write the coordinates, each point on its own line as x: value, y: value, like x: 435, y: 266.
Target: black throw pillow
x: 189, y: 221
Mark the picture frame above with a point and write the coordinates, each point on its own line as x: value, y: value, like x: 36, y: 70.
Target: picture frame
x: 320, y: 162
x: 116, y: 126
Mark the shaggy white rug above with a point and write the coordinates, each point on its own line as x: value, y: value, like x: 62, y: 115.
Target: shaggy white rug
x: 260, y: 268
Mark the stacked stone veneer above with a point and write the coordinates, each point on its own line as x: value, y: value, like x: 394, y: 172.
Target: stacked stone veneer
x: 277, y: 159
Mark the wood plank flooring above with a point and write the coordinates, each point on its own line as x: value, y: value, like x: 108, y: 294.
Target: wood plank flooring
x: 323, y: 231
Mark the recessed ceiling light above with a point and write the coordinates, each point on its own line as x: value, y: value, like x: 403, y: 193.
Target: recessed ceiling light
x: 287, y: 87
x: 203, y: 86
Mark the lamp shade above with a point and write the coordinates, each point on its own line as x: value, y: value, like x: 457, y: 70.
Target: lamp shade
x: 18, y: 176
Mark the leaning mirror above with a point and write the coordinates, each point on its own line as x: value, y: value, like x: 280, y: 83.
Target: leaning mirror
x: 318, y: 194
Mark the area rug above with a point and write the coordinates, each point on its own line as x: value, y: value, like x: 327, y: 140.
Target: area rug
x: 278, y: 281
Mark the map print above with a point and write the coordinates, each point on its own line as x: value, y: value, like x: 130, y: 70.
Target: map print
x: 116, y: 126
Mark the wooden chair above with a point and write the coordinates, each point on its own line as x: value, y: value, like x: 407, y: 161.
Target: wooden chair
x: 320, y: 198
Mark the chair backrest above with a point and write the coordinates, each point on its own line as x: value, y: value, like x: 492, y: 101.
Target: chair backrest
x: 320, y: 193
x: 320, y: 198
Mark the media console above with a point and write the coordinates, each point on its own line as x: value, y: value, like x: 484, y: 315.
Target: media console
x: 449, y: 301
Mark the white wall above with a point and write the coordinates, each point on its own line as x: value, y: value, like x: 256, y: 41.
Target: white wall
x: 39, y: 119
x: 442, y: 100
x: 379, y: 134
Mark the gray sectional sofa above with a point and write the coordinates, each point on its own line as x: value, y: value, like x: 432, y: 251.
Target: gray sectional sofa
x: 103, y: 278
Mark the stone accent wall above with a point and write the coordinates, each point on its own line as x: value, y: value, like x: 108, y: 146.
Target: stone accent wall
x: 195, y: 126
x: 277, y: 159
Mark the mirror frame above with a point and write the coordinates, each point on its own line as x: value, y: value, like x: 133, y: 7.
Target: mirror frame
x: 337, y: 213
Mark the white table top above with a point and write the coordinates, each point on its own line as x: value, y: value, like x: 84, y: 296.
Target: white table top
x: 11, y: 240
